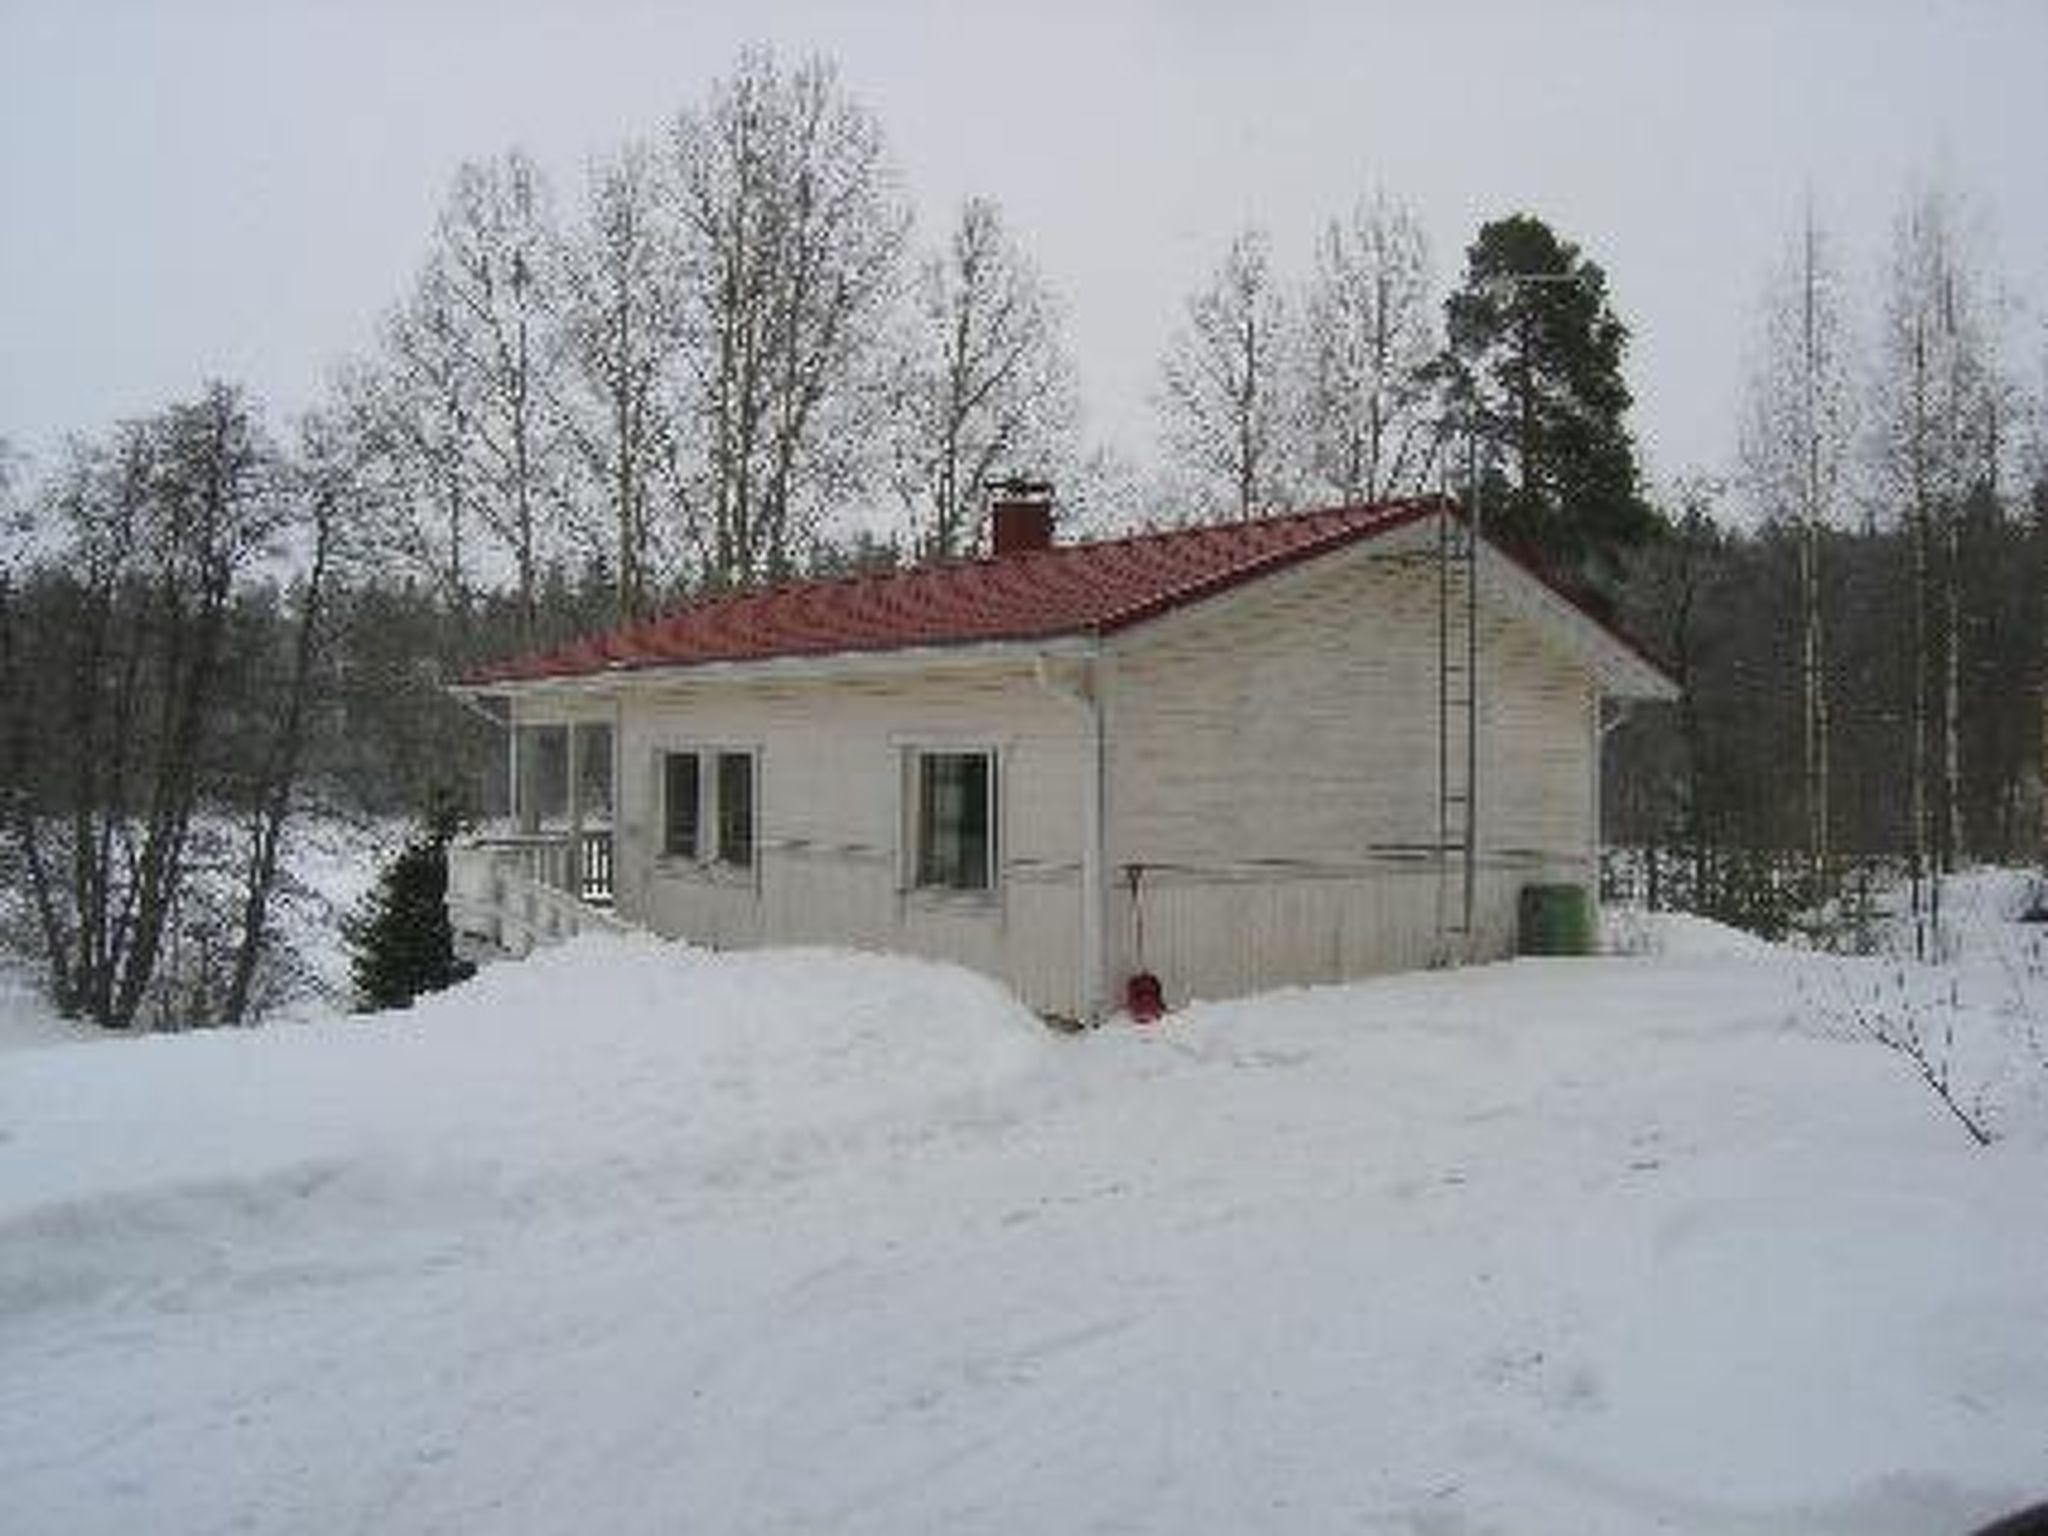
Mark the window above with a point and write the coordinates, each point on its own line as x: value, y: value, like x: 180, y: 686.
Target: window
x: 679, y: 808
x: 953, y: 811
x: 707, y: 807
x: 736, y: 809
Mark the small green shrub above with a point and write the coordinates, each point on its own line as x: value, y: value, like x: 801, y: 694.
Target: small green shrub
x: 403, y: 944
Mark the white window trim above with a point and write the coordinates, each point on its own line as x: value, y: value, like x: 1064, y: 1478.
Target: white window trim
x: 909, y: 750
x: 705, y: 864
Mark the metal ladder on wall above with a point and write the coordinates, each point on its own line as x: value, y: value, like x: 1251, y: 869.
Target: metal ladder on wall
x: 1457, y: 733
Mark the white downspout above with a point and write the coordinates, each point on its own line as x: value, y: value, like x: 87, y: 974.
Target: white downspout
x: 1084, y: 691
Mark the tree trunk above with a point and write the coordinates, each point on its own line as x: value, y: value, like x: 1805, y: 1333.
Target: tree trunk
x: 1814, y: 676
x: 1918, y: 761
x: 1951, y: 765
x: 280, y: 777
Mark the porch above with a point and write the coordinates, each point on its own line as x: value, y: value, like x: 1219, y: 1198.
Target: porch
x: 544, y: 872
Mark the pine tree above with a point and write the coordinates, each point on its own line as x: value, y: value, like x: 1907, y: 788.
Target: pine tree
x: 1534, y: 369
x: 404, y: 945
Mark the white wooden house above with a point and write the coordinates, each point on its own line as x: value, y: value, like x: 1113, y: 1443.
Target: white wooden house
x: 1234, y: 756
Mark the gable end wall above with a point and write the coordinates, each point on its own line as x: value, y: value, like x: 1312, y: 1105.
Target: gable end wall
x: 1274, y: 774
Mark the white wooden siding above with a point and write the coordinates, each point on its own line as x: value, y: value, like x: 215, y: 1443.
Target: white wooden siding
x: 1273, y: 772
x: 829, y: 822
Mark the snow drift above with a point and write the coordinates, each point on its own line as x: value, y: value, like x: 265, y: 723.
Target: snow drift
x: 634, y: 1238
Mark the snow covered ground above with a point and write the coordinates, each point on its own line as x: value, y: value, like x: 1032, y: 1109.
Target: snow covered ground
x: 27, y: 1020
x: 630, y: 1238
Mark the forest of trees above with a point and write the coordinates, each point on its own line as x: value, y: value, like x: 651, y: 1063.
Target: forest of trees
x: 732, y: 356
x: 1862, y: 646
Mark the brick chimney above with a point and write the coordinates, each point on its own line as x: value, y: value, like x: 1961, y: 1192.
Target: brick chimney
x: 1020, y: 517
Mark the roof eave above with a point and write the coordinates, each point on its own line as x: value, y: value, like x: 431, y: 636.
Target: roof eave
x: 1629, y: 676
x: 1618, y: 668
x: 956, y: 656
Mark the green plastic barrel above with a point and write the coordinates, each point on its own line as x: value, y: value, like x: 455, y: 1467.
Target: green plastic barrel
x: 1555, y: 920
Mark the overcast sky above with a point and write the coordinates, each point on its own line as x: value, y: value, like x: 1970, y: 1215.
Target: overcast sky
x: 205, y: 189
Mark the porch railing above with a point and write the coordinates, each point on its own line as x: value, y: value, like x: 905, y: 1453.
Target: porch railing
x: 514, y: 890
x: 578, y: 864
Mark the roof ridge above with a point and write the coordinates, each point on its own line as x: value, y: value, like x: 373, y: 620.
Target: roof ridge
x: 721, y: 596
x: 1267, y: 520
x: 1206, y: 582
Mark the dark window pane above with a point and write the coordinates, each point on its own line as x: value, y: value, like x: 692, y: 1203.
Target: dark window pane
x: 954, y: 849
x: 679, y: 804
x: 551, y: 773
x: 594, y: 770
x: 736, y: 808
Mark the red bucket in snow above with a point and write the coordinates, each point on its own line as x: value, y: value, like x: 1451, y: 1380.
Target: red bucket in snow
x: 1143, y: 999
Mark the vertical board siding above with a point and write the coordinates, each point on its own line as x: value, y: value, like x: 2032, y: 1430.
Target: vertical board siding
x: 1274, y: 764
x: 829, y: 822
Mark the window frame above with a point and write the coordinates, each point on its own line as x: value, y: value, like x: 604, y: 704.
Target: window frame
x: 707, y: 858
x: 913, y: 832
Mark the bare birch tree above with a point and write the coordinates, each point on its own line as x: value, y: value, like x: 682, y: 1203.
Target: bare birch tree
x: 415, y: 406
x: 1797, y: 439
x: 1226, y: 416
x: 623, y: 307
x: 983, y: 387
x: 479, y: 346
x: 1932, y: 395
x: 1368, y: 407
x: 792, y: 231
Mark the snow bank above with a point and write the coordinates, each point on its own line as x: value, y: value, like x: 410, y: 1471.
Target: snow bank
x: 637, y: 1239
x: 1680, y: 935
x: 27, y: 1021
x: 549, y: 1083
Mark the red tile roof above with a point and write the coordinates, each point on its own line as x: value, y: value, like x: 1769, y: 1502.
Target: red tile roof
x: 1070, y: 589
